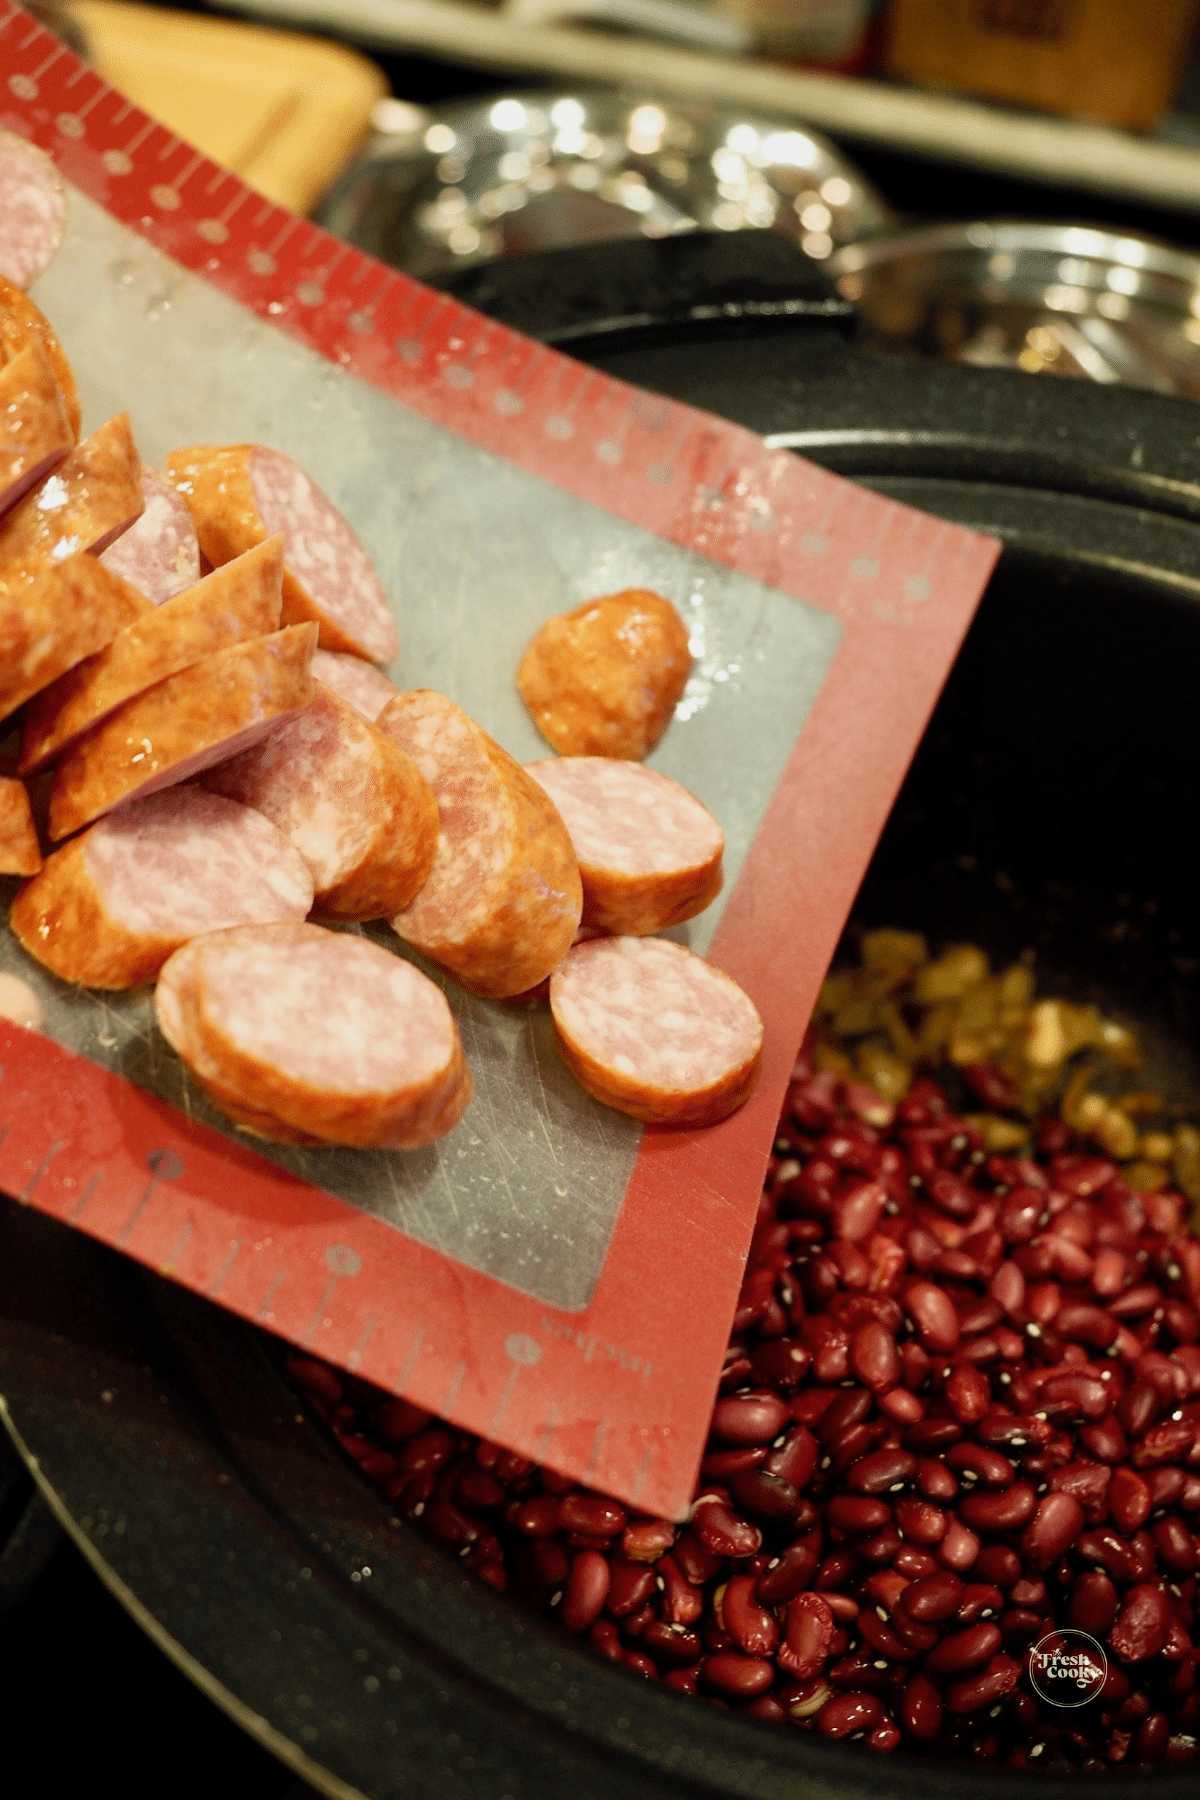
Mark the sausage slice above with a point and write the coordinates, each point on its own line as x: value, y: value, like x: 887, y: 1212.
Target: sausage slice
x: 325, y: 1032
x: 110, y: 907
x: 90, y: 499
x: 66, y: 611
x: 365, y: 688
x: 649, y: 852
x: 21, y: 324
x: 33, y: 209
x: 354, y: 805
x: 241, y: 493
x: 158, y: 553
x: 34, y: 433
x: 207, y: 713
x: 233, y: 604
x: 653, y: 1030
x: 605, y: 679
x: 19, y: 852
x: 503, y: 899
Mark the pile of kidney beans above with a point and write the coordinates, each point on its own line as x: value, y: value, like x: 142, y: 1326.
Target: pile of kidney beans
x: 960, y: 1406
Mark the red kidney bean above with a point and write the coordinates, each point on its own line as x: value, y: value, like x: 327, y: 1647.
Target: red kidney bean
x: 720, y: 1530
x: 882, y: 1471
x: 1087, y: 1482
x: 856, y: 1514
x: 696, y: 1561
x: 1174, y: 1546
x: 920, y: 1521
x: 921, y: 1709
x: 964, y: 1651
x: 836, y: 1569
x: 1075, y: 1397
x: 980, y: 1600
x: 849, y: 1715
x: 739, y: 1677
x: 987, y: 1688
x: 1164, y: 1443
x: 719, y: 1465
x: 935, y: 1481
x: 1128, y: 1499
x: 640, y: 1664
x: 795, y: 1459
x: 987, y: 1465
x: 750, y: 1418
x: 682, y: 1603
x: 671, y: 1644
x: 753, y: 1628
x: 933, y: 1316
x: 999, y: 1565
x: 1166, y: 1486
x: 858, y: 1212
x: 808, y: 1637
x: 647, y: 1540
x: 592, y: 1514
x: 1138, y: 1407
x: 968, y: 1394
x: 848, y: 1446
x: 1151, y: 1739
x: 850, y: 1407
x: 882, y: 1639
x: 932, y: 1435
x: 1051, y: 1531
x: 1007, y: 1287
x: 1007, y: 1510
x: 936, y: 1597
x: 874, y: 1358
x: 900, y: 1405
x: 959, y: 1548
x: 780, y: 1362
x: 880, y: 1549
x: 1109, y: 1269
x: 1092, y: 1605
x: 586, y: 1590
x: 767, y: 1499
x: 1011, y: 1432
x: 1090, y: 1325
x: 786, y: 1575
x: 979, y: 1316
x: 1141, y: 1626
x: 630, y: 1586
x: 1106, y: 1441
x: 913, y: 1563
x: 537, y: 1518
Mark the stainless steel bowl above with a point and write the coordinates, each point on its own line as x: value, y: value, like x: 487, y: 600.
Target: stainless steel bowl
x: 436, y: 192
x: 1056, y: 299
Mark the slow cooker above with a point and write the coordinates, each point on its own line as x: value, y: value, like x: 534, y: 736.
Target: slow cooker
x: 1050, y: 807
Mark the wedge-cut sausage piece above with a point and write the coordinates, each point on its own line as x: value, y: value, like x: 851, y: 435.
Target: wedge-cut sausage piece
x: 326, y: 1032
x: 605, y: 679
x: 34, y: 433
x: 651, y: 1029
x: 69, y: 610
x: 19, y: 853
x: 22, y: 324
x: 351, y: 802
x: 207, y: 713
x: 159, y: 553
x: 362, y: 685
x: 33, y: 209
x: 110, y: 907
x: 649, y: 852
x: 90, y: 499
x: 503, y: 900
x: 241, y: 493
x: 233, y: 604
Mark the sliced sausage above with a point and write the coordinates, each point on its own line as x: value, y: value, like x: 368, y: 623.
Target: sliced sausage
x: 503, y: 899
x: 350, y: 801
x: 18, y: 1002
x: 66, y: 611
x: 34, y: 433
x: 605, y: 679
x: 649, y: 852
x: 110, y: 907
x: 19, y: 853
x: 207, y: 713
x: 324, y: 1031
x: 653, y: 1030
x: 33, y: 210
x: 90, y: 499
x: 365, y: 687
x: 234, y: 603
x: 158, y: 553
x: 21, y: 324
x: 241, y: 493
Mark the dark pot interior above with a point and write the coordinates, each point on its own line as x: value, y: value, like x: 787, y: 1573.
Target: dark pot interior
x: 1048, y: 808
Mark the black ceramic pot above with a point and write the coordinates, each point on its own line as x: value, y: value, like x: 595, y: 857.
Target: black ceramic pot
x: 1052, y: 806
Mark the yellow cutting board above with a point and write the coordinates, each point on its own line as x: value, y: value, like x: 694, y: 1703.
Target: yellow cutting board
x: 284, y: 112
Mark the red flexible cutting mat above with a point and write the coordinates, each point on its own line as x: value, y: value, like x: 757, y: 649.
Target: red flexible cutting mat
x: 551, y: 1275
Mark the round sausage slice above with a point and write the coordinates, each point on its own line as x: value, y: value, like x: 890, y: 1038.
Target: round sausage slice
x: 366, y: 688
x: 354, y: 805
x: 19, y: 852
x: 234, y: 603
x: 240, y: 494
x: 207, y: 713
x: 67, y: 611
x: 324, y: 1031
x: 649, y: 852
x: 605, y: 679
x: 33, y: 209
x: 21, y: 324
x: 111, y: 906
x: 503, y: 898
x: 90, y: 499
x: 158, y: 553
x: 653, y: 1030
x: 34, y: 433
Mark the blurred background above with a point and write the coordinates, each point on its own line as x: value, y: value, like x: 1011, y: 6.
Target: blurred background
x: 1006, y: 182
